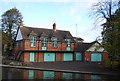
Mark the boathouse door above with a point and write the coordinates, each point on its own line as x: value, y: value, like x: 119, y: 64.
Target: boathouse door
x: 49, y: 57
x: 68, y: 57
x: 32, y: 57
x: 96, y: 57
x: 78, y: 57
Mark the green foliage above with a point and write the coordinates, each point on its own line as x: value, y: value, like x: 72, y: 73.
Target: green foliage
x: 110, y: 11
x: 111, y: 34
x: 11, y: 21
x: 113, y: 64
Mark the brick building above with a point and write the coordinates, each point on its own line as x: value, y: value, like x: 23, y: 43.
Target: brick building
x: 49, y: 45
x: 91, y: 52
x: 44, y: 45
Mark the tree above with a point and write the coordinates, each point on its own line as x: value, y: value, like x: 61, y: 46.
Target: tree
x: 11, y: 21
x: 116, y: 32
x: 103, y: 10
x: 108, y: 10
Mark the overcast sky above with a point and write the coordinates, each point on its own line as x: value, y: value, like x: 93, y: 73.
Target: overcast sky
x: 65, y: 13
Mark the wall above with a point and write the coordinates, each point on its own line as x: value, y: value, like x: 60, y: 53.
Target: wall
x: 61, y: 47
x: 26, y: 57
x: 59, y: 57
x: 39, y: 57
x: 87, y: 57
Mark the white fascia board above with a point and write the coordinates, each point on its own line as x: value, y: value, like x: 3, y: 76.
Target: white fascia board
x: 19, y: 35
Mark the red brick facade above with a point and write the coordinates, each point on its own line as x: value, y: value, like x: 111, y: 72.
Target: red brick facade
x: 88, y: 56
x: 39, y: 57
x: 23, y: 48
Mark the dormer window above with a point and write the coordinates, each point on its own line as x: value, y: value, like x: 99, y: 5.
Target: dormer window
x: 54, y: 42
x: 44, y: 43
x: 67, y: 44
x: 32, y: 41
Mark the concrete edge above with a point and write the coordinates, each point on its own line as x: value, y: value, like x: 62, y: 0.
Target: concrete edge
x: 58, y: 70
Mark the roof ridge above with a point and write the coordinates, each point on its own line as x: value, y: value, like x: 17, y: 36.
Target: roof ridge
x: 44, y: 28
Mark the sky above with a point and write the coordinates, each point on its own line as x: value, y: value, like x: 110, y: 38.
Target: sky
x: 69, y: 15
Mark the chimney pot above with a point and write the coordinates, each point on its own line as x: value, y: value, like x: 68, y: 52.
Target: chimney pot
x: 54, y: 26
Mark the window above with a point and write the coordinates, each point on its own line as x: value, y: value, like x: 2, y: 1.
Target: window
x: 68, y: 44
x: 44, y: 43
x: 54, y: 43
x: 32, y: 41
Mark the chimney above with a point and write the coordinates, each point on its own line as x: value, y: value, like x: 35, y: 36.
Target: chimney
x: 54, y: 27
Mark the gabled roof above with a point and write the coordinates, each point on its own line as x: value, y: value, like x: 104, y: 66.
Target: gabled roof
x: 44, y: 34
x: 60, y: 34
x: 82, y: 47
x: 78, y: 39
x: 33, y: 33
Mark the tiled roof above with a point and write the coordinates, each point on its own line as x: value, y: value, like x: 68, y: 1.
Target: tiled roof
x: 78, y: 39
x: 60, y: 34
x: 82, y: 47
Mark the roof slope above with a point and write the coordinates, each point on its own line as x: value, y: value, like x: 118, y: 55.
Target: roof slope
x: 60, y: 34
x: 82, y: 47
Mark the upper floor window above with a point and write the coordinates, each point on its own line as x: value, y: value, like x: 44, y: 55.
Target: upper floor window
x: 44, y: 43
x: 32, y: 41
x: 54, y: 42
x: 68, y: 44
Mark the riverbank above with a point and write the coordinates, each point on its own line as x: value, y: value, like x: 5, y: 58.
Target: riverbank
x: 74, y: 67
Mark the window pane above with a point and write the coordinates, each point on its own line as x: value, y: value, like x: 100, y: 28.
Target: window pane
x: 32, y: 41
x: 54, y: 43
x: 44, y: 41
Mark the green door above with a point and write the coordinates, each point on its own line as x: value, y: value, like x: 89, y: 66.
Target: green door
x: 32, y: 57
x: 96, y: 57
x: 68, y: 56
x: 78, y: 57
x: 49, y: 57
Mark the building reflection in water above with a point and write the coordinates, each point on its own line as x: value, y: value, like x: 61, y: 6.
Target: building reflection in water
x: 31, y: 74
x: 10, y: 73
x: 48, y: 75
x: 67, y: 75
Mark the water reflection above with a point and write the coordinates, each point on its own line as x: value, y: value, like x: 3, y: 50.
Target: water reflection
x: 48, y: 75
x: 31, y: 74
x: 12, y: 73
x: 67, y: 75
x: 78, y: 76
x: 95, y: 77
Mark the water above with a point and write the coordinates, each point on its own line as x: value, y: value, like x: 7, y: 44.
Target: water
x: 12, y: 73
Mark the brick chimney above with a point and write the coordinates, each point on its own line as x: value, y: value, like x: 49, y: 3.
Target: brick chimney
x: 54, y: 27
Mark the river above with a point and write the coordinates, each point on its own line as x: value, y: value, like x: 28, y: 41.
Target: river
x: 13, y: 73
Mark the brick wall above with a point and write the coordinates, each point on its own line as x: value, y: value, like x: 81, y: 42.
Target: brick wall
x: 59, y: 57
x: 26, y: 57
x: 18, y: 47
x: 87, y: 57
x: 61, y: 47
x: 40, y: 57
x: 104, y: 56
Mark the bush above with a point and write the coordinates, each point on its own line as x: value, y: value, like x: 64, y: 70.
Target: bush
x: 111, y: 64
